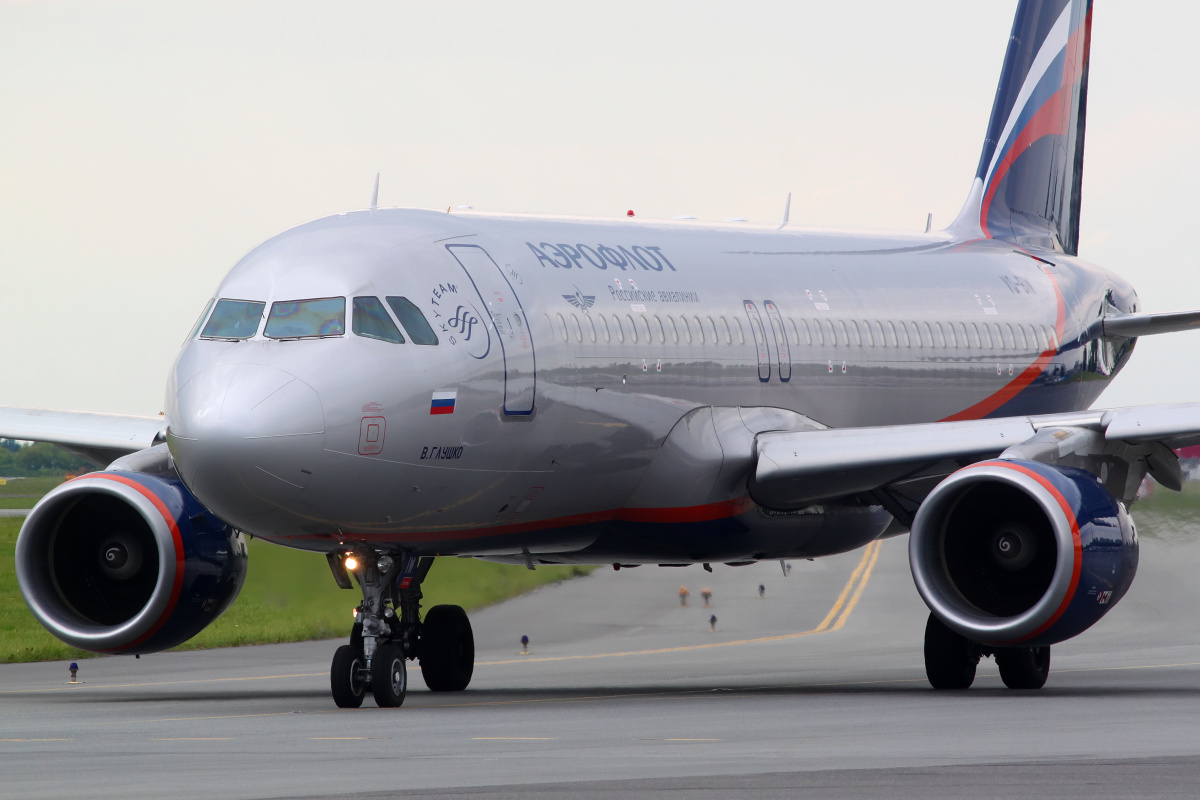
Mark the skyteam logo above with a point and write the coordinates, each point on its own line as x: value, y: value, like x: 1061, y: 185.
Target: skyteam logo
x: 580, y: 300
x: 460, y: 321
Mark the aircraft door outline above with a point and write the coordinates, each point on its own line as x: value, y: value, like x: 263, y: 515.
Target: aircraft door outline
x: 760, y: 340
x: 782, y: 350
x: 509, y: 322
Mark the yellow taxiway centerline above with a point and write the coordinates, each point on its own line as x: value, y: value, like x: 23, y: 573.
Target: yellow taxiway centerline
x: 853, y: 589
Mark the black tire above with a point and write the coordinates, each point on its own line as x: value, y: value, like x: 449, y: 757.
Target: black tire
x: 1024, y: 667
x: 345, y: 678
x: 950, y: 658
x: 389, y: 676
x: 447, y: 649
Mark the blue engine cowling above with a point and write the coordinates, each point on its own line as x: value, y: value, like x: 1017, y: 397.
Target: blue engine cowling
x: 1013, y: 552
x: 125, y: 562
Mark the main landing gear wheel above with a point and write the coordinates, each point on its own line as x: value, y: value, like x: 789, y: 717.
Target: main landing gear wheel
x: 950, y: 657
x: 447, y: 649
x: 1024, y: 667
x: 346, y: 677
x: 389, y: 677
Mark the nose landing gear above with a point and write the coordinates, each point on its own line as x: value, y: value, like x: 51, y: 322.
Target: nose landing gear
x: 388, y: 631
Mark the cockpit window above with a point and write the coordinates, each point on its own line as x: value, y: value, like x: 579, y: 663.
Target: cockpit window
x: 373, y: 322
x: 233, y: 319
x: 298, y: 319
x: 413, y: 320
x: 200, y: 320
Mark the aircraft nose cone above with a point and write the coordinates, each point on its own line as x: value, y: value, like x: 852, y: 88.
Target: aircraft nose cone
x: 246, y: 439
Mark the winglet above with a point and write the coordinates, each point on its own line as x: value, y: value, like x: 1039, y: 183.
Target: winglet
x: 375, y: 194
x: 787, y: 210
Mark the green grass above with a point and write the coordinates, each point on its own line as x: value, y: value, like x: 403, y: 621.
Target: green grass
x: 34, y: 486
x: 289, y: 596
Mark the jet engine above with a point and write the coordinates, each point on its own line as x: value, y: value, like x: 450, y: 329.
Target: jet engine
x: 125, y: 562
x: 1014, y: 552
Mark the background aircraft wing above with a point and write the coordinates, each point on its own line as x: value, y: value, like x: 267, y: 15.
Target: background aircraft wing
x: 896, y: 466
x: 100, y: 438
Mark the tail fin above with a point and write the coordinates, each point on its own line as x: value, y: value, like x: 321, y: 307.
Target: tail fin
x: 1027, y: 189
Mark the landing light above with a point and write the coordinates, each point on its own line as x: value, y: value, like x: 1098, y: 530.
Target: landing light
x: 351, y: 563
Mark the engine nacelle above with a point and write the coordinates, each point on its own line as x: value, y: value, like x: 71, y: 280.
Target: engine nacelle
x: 1013, y: 552
x: 126, y: 562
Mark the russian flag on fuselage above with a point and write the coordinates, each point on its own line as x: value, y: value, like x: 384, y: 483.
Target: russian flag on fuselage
x: 443, y: 401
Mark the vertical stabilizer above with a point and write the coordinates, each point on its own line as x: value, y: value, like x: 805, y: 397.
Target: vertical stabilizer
x: 1027, y: 188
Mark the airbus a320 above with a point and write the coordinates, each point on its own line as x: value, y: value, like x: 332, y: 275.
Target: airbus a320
x: 388, y: 386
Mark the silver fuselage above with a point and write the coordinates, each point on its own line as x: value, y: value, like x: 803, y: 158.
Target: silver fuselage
x: 609, y: 377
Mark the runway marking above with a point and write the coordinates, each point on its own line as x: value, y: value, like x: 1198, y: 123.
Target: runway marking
x: 195, y: 739
x: 167, y: 683
x: 853, y: 589
x: 336, y: 738
x: 862, y: 584
x: 514, y: 738
x: 840, y: 612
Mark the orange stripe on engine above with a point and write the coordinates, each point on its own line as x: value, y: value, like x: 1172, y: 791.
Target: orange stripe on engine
x: 177, y: 588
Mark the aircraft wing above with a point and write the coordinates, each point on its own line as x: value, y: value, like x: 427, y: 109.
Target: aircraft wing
x: 898, y: 465
x: 101, y: 438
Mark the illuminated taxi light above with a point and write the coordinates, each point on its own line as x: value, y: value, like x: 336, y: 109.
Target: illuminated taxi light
x: 351, y: 563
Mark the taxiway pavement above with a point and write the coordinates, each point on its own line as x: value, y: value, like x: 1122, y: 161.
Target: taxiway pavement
x: 814, y: 689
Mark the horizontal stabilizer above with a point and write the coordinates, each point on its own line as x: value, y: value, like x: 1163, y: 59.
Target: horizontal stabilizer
x: 1133, y: 325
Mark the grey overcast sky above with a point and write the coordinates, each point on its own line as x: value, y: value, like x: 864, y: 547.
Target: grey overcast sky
x: 145, y: 146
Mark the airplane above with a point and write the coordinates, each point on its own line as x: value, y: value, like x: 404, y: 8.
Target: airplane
x: 389, y: 386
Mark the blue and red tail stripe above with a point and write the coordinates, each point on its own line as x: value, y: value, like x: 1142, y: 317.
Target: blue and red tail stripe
x: 1032, y: 160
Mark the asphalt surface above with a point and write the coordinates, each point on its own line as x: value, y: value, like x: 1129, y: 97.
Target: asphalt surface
x: 816, y: 689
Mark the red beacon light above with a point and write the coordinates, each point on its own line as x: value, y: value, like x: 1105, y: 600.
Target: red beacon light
x: 629, y: 213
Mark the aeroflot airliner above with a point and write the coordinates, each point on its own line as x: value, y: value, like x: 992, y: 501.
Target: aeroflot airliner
x: 391, y: 385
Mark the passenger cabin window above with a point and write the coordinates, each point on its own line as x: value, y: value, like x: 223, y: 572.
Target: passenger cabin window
x: 591, y: 328
x: 575, y: 327
x: 371, y: 320
x: 725, y: 331
x: 658, y: 327
x: 646, y: 333
x: 604, y: 328
x: 413, y: 320
x: 233, y: 319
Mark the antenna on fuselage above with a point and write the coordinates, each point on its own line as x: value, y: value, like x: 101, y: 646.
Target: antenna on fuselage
x: 929, y: 222
x: 787, y: 211
x: 375, y: 193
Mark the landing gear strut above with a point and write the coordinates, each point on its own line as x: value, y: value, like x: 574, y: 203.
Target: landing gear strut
x: 951, y: 659
x: 388, y: 632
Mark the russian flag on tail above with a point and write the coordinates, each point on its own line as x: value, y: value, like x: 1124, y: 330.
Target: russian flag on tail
x: 443, y: 402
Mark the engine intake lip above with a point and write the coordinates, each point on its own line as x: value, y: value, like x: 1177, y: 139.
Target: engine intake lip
x: 926, y: 550
x: 39, y: 585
